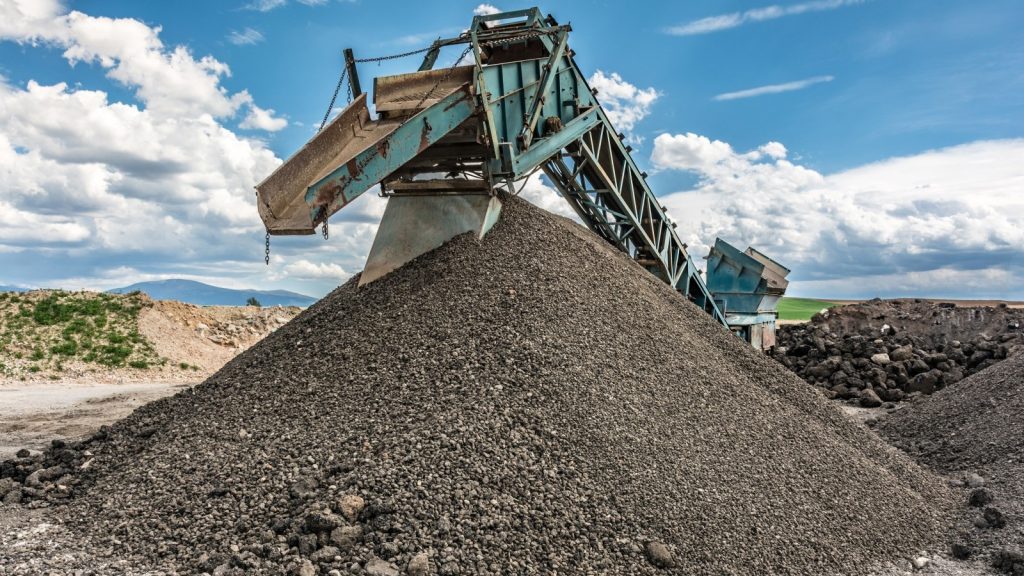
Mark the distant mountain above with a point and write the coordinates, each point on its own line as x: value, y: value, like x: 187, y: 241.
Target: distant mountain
x: 7, y: 288
x: 206, y: 295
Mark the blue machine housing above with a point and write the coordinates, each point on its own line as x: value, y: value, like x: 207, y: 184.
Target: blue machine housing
x: 747, y: 287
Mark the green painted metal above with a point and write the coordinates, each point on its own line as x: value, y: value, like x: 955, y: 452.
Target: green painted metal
x: 345, y: 183
x: 747, y: 287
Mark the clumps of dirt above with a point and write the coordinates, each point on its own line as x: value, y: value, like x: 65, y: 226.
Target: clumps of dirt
x: 884, y: 350
x: 975, y: 432
x: 532, y: 402
x: 48, y: 477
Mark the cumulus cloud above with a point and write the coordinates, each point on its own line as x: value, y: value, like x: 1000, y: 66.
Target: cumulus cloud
x: 735, y: 19
x: 260, y: 119
x: 157, y: 184
x: 303, y: 268
x: 485, y: 10
x: 625, y: 104
x: 774, y: 88
x: 932, y: 219
x: 246, y: 37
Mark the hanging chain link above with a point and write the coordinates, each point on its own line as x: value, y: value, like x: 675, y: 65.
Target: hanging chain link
x: 327, y: 115
x: 444, y: 77
x: 519, y: 38
x: 324, y: 230
x: 266, y: 249
x: 397, y: 56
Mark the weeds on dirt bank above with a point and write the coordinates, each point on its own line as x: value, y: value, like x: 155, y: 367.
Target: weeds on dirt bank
x: 42, y: 330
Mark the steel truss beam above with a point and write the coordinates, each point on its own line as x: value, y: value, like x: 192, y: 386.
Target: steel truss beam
x: 596, y: 175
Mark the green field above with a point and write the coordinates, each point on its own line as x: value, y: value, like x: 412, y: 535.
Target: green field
x: 801, y: 308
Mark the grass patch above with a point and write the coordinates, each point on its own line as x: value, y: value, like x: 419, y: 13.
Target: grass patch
x: 53, y: 327
x: 801, y: 308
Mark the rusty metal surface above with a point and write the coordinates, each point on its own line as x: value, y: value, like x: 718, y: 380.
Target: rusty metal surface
x: 277, y: 194
x: 402, y: 92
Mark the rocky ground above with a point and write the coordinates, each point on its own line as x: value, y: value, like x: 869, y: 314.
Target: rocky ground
x: 532, y: 403
x: 886, y: 350
x: 974, y: 432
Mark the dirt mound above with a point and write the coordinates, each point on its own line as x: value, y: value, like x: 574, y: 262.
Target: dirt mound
x: 94, y: 337
x: 883, y: 350
x: 532, y: 403
x: 976, y: 430
x: 206, y: 337
x: 934, y: 322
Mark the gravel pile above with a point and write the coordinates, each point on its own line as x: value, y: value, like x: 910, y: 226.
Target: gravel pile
x: 532, y: 403
x: 975, y: 431
x: 884, y: 350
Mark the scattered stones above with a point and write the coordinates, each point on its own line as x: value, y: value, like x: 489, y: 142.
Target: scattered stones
x: 1009, y: 560
x: 920, y: 562
x: 419, y: 565
x: 659, y: 555
x: 304, y: 568
x: 961, y: 550
x: 351, y: 505
x: 980, y: 497
x: 869, y: 399
x: 345, y: 537
x: 378, y: 567
x: 974, y: 480
x: 994, y: 517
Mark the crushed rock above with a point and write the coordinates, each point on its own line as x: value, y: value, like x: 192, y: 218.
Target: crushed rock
x: 531, y: 403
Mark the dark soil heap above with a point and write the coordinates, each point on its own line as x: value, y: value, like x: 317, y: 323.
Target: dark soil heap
x: 976, y: 429
x: 884, y: 350
x: 533, y: 403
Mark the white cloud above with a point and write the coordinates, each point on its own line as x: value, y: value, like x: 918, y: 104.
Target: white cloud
x: 774, y: 88
x: 625, y: 104
x: 265, y: 5
x: 246, y: 37
x: 735, y: 19
x: 260, y: 119
x: 156, y: 184
x: 268, y: 5
x: 19, y: 228
x: 168, y: 81
x: 538, y: 193
x: 485, y: 10
x: 315, y: 270
x: 938, y: 215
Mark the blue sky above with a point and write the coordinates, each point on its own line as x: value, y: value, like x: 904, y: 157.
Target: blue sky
x: 873, y: 146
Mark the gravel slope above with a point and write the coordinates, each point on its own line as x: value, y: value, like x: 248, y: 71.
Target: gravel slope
x: 533, y: 403
x: 975, y: 430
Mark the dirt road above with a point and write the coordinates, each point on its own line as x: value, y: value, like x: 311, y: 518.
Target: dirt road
x: 32, y: 415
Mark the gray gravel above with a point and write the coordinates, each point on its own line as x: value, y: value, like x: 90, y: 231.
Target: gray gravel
x: 532, y: 403
x: 974, y: 431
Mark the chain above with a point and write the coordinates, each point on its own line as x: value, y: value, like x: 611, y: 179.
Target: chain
x: 446, y: 75
x: 519, y: 38
x: 337, y: 89
x: 324, y: 229
x: 396, y: 56
x: 266, y: 249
